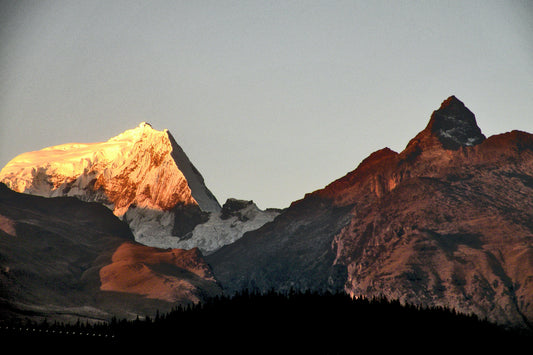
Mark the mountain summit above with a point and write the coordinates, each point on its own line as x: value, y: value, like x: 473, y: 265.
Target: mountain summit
x: 451, y: 127
x: 142, y: 174
x: 455, y: 125
x: 119, y: 173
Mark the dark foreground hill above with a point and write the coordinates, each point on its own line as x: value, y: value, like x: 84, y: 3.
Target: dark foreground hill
x: 291, y: 323
x: 63, y: 259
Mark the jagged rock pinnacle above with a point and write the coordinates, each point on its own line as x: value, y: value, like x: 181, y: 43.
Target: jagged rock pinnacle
x: 451, y: 127
x: 455, y: 125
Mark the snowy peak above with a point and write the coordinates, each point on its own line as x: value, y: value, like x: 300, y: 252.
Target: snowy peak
x: 236, y: 218
x: 135, y: 134
x: 142, y: 174
x: 455, y: 125
x: 146, y: 178
x: 143, y: 167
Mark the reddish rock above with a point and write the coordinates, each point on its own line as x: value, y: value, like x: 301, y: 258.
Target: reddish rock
x: 173, y: 275
x: 446, y: 222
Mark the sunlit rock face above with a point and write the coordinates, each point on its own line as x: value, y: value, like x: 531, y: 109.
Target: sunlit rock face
x: 142, y: 175
x: 446, y: 222
x: 171, y: 275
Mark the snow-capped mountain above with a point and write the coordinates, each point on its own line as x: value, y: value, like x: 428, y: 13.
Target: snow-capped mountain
x: 138, y: 167
x: 143, y: 175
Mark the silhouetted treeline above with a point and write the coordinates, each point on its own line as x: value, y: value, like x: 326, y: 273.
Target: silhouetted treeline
x: 298, y: 322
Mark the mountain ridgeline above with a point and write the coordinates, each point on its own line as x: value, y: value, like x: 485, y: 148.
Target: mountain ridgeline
x: 445, y: 223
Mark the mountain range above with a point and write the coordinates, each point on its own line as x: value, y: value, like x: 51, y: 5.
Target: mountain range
x: 447, y: 222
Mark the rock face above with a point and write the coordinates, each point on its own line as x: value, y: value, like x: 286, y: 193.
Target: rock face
x: 454, y: 125
x: 64, y: 259
x: 142, y: 175
x: 446, y: 222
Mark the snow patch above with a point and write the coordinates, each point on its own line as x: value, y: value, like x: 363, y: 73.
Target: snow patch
x: 219, y: 230
x: 154, y: 228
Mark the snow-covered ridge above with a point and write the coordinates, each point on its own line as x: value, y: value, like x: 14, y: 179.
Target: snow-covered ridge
x: 220, y: 229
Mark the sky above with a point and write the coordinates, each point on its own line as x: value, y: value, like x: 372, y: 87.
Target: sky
x: 269, y: 99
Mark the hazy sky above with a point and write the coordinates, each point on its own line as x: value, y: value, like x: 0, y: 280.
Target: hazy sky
x: 269, y: 99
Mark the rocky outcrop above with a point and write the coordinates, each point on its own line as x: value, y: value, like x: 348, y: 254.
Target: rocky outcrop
x: 446, y: 222
x: 453, y: 125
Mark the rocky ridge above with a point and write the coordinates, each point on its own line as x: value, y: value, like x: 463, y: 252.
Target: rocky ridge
x: 236, y: 218
x: 445, y: 222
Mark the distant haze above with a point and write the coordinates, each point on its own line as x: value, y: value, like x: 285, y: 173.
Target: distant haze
x: 269, y: 99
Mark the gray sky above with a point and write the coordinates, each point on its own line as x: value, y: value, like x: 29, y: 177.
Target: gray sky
x: 269, y: 99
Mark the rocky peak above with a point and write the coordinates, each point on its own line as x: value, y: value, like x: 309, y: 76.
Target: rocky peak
x: 235, y: 207
x: 441, y: 223
x: 451, y: 127
x: 455, y: 125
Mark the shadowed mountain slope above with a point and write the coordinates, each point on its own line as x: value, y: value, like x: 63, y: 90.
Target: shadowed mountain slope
x: 64, y: 259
